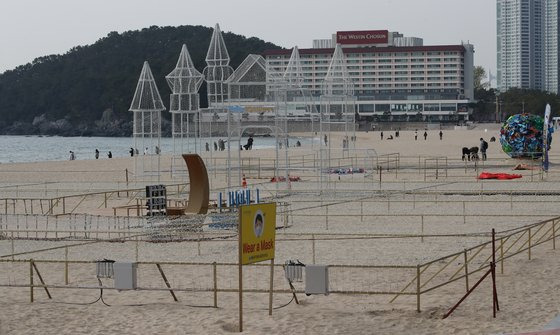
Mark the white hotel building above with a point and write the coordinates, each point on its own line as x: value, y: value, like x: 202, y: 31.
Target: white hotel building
x: 396, y: 78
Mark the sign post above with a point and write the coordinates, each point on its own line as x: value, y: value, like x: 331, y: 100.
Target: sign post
x: 257, y: 233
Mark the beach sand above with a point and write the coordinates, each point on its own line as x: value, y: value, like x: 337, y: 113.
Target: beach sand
x: 528, y: 290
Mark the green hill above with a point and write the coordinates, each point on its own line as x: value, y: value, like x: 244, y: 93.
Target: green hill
x: 88, y: 90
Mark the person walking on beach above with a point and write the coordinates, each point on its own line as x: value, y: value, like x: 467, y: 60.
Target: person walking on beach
x: 131, y: 151
x: 110, y: 154
x: 483, y: 148
x: 440, y: 135
x: 326, y: 139
x: 381, y: 135
x: 96, y: 154
x: 416, y: 135
x: 425, y: 135
x: 72, y: 156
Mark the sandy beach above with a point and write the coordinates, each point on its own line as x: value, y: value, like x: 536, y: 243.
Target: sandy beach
x: 423, y: 204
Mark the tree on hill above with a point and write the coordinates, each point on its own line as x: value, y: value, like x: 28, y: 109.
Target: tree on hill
x: 81, y: 84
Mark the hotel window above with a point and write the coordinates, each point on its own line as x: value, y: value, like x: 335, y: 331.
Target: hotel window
x: 431, y: 107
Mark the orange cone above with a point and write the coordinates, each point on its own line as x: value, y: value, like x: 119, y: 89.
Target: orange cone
x: 244, y: 182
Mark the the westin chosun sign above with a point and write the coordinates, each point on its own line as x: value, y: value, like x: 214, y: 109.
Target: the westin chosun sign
x: 363, y: 37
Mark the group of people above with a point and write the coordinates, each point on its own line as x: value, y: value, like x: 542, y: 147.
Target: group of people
x: 397, y: 134
x: 134, y: 151
x: 96, y: 154
x: 221, y: 145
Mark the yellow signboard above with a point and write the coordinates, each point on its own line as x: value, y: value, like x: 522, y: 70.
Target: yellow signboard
x: 257, y: 232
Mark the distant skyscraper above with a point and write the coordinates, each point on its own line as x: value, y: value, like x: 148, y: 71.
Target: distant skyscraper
x: 551, y: 46
x: 527, y: 44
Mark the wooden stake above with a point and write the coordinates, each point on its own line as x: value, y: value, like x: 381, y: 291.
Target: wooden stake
x: 418, y: 288
x: 502, y: 255
x: 166, y: 282
x: 271, y: 290
x: 31, y: 280
x: 313, y: 247
x: 422, y: 228
x: 41, y: 280
x: 66, y: 266
x: 466, y: 270
x: 529, y: 231
x: 215, y: 275
x: 239, y: 231
x: 553, y: 234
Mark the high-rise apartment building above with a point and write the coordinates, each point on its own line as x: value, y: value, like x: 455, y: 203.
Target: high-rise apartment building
x: 527, y: 44
x: 551, y: 46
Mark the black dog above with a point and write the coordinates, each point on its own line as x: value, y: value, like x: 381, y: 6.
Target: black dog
x: 474, y: 153
x: 466, y: 154
x: 469, y: 154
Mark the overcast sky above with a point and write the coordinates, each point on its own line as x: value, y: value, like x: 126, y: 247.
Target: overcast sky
x: 34, y: 28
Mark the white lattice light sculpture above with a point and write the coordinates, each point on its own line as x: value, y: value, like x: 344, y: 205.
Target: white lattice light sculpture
x: 337, y: 110
x: 185, y: 81
x: 147, y: 106
x: 248, y: 81
x: 217, y: 70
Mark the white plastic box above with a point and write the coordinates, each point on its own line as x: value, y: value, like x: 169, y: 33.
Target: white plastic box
x: 316, y: 279
x: 125, y: 275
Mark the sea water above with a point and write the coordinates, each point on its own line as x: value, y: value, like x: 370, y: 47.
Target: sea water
x: 51, y: 148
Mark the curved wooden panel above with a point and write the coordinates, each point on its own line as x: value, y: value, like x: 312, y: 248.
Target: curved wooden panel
x: 199, y: 195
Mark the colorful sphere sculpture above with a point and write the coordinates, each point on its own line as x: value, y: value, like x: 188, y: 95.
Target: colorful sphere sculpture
x: 521, y: 136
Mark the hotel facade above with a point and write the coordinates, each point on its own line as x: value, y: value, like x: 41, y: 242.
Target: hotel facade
x: 395, y: 78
